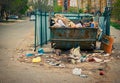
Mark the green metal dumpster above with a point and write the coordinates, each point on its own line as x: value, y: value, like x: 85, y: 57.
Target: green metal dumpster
x: 67, y: 38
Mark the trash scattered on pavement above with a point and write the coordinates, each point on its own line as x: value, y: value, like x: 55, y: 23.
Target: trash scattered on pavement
x: 29, y: 54
x: 74, y: 56
x: 36, y: 60
x: 73, y: 61
x: 107, y: 60
x: 75, y: 51
x: 98, y: 51
x: 83, y: 75
x: 83, y: 58
x: 97, y: 59
x: 77, y: 71
x: 101, y: 72
x: 40, y: 51
x: 106, y: 54
x: 85, y: 62
x: 57, y: 52
x: 57, y: 64
x: 90, y: 59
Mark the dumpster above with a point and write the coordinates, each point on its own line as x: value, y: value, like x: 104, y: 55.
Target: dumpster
x: 67, y: 38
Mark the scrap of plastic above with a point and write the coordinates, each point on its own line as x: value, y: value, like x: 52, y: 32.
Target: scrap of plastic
x: 40, y: 51
x: 83, y: 76
x: 77, y: 71
x: 37, y: 59
x: 29, y: 54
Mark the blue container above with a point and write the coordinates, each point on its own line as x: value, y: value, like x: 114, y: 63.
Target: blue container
x: 92, y: 25
x: 29, y: 54
x: 40, y: 51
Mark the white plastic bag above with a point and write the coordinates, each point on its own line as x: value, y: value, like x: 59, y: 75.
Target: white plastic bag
x: 77, y: 71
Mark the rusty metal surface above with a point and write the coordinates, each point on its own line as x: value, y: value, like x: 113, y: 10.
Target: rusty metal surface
x: 65, y: 38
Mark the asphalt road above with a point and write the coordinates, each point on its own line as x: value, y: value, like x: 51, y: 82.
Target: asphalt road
x: 12, y: 33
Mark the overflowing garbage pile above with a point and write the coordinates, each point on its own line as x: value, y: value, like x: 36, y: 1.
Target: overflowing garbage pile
x: 73, y: 56
x: 81, y: 60
x: 62, y: 21
x: 60, y: 59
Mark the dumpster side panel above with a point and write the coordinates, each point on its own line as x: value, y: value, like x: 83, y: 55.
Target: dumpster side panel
x: 66, y: 38
x: 73, y: 33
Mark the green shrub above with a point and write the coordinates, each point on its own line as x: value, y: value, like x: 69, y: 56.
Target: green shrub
x: 80, y: 11
x: 57, y: 8
x: 73, y: 10
x: 115, y: 24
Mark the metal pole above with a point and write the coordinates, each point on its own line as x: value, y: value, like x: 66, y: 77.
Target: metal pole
x: 108, y: 17
x: 36, y: 17
x: 41, y: 29
x: 45, y: 28
x: 108, y: 25
x: 35, y: 32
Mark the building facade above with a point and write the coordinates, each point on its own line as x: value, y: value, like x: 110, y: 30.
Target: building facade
x: 92, y: 5
x: 87, y: 5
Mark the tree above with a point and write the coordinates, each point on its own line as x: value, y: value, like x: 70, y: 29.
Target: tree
x: 80, y: 10
x: 43, y: 5
x: 57, y: 8
x: 116, y: 10
x: 13, y: 7
x: 88, y: 7
x: 73, y: 9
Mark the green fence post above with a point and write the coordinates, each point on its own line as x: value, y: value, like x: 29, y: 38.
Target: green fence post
x: 45, y: 28
x: 35, y: 32
x: 41, y: 29
x: 106, y: 14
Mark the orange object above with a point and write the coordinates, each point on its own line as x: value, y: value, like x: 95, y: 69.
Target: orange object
x: 107, y: 44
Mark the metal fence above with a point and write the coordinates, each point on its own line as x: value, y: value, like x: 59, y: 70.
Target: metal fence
x: 42, y: 32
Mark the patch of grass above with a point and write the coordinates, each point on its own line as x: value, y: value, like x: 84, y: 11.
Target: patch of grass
x: 115, y: 24
x: 4, y: 21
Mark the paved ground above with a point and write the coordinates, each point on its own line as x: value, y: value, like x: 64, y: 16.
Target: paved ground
x: 19, y: 37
